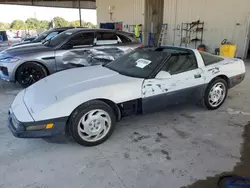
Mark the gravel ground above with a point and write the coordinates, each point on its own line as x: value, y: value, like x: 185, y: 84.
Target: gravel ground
x: 173, y: 148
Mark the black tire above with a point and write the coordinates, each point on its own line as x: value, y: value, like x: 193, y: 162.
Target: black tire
x: 206, y: 96
x: 84, y: 109
x: 29, y: 73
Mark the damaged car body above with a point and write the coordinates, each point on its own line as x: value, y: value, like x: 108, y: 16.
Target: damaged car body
x: 93, y: 99
x: 72, y: 48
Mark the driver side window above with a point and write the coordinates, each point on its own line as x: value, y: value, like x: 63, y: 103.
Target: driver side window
x: 179, y: 63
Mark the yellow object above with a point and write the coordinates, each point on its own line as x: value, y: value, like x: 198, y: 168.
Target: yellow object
x: 228, y: 50
x: 49, y: 126
x: 137, y: 33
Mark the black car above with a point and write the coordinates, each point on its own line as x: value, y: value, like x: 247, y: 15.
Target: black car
x: 28, y: 39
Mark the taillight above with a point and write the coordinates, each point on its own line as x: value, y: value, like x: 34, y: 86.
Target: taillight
x: 238, y: 77
x: 141, y: 46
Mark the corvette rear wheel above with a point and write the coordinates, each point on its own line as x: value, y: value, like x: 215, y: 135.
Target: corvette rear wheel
x: 216, y: 94
x: 29, y: 73
x: 92, y: 123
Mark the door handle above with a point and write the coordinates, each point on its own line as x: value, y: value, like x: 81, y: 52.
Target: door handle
x: 197, y: 75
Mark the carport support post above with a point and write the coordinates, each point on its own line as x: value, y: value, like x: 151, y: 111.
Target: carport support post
x: 80, y: 14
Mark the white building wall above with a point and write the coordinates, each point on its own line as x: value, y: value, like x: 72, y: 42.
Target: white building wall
x: 220, y: 16
x: 127, y: 11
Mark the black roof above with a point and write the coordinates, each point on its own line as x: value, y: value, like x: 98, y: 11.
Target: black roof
x: 79, y: 29
x: 64, y: 28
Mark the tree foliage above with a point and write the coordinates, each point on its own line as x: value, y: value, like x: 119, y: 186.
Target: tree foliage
x: 35, y: 24
x: 17, y: 24
x: 60, y: 22
x: 32, y: 23
x: 44, y: 24
x: 4, y: 26
x: 75, y: 23
x: 88, y: 25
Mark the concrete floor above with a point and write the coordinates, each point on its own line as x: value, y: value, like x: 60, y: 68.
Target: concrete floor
x: 173, y: 148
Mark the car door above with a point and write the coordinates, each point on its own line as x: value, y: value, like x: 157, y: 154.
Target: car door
x: 75, y: 51
x: 184, y: 82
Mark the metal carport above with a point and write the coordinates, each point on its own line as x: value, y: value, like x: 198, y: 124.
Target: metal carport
x: 80, y: 4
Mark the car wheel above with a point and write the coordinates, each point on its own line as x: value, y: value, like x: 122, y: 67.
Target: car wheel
x: 92, y: 123
x: 216, y: 94
x: 29, y: 73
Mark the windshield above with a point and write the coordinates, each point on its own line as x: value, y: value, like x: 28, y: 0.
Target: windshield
x: 51, y: 35
x: 139, y: 63
x: 42, y: 36
x: 59, y: 38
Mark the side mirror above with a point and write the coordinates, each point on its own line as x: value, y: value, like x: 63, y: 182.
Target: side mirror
x: 163, y: 75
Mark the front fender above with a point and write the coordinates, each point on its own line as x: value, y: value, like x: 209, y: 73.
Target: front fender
x: 117, y: 93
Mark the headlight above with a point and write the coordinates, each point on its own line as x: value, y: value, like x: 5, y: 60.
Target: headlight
x: 10, y: 60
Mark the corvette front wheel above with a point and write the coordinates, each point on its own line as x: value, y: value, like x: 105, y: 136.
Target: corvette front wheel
x: 92, y: 123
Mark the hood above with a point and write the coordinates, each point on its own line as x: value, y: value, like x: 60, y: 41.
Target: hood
x: 27, y: 48
x: 3, y: 54
x: 57, y: 87
x: 22, y: 43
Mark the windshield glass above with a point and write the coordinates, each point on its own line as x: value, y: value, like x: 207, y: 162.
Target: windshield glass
x: 51, y: 35
x: 42, y: 36
x: 59, y: 38
x: 139, y: 63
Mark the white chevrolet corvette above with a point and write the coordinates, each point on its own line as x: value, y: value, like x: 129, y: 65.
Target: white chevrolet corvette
x: 87, y: 102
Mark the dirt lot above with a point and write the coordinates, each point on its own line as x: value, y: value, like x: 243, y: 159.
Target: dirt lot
x: 182, y: 146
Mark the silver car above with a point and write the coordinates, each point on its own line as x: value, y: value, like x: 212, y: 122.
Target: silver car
x: 29, y: 63
x: 46, y: 35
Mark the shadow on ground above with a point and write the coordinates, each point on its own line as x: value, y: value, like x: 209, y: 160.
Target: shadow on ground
x: 241, y: 169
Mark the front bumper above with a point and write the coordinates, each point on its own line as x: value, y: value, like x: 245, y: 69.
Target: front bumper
x: 3, y: 74
x: 7, y: 71
x: 18, y: 128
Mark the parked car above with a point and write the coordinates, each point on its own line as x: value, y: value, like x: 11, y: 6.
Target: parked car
x: 87, y: 102
x: 46, y: 35
x: 28, y: 39
x: 6, y: 41
x: 29, y: 63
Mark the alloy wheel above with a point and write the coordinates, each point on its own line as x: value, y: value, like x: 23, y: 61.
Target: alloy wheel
x: 94, y: 125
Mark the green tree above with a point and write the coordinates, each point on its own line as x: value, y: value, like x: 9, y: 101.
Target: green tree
x: 44, y: 24
x: 88, y: 25
x: 17, y: 24
x: 32, y: 23
x: 60, y: 22
x: 75, y: 23
x: 4, y: 26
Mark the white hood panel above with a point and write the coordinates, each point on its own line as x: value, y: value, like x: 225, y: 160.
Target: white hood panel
x: 59, y: 94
